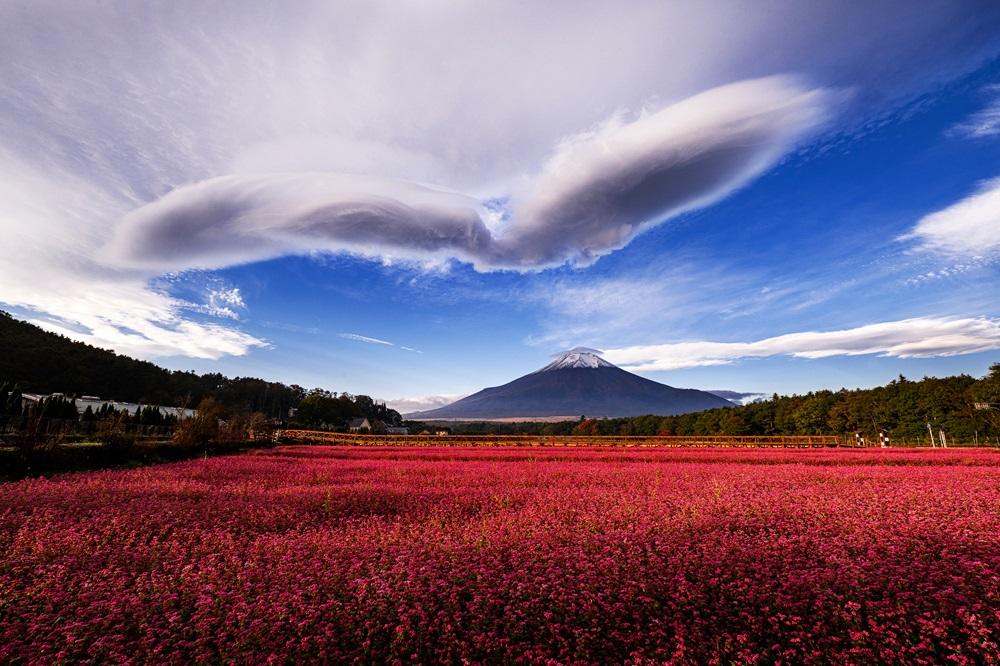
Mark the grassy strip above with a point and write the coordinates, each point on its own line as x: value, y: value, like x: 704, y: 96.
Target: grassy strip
x: 59, y: 458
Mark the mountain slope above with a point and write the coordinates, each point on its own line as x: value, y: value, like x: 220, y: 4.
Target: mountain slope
x: 43, y: 362
x: 577, y: 383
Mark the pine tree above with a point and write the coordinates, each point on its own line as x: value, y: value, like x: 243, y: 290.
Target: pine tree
x: 14, y: 402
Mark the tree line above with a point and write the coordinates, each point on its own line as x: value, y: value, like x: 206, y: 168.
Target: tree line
x: 13, y: 404
x: 322, y: 408
x: 43, y: 362
x: 38, y: 361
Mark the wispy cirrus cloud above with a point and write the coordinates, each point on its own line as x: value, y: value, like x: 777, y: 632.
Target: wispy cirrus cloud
x: 983, y: 123
x: 291, y: 328
x: 625, y: 307
x: 364, y: 338
x: 921, y: 337
x: 967, y: 228
x: 356, y: 337
x: 970, y: 227
x: 142, y: 325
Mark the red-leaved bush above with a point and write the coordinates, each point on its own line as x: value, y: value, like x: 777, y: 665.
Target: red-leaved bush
x: 325, y: 554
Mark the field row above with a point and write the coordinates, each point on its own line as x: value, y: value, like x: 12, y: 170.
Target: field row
x: 667, y: 441
x: 473, y: 555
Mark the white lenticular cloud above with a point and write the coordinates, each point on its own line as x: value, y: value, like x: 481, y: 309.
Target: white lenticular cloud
x: 908, y: 338
x: 138, y: 140
x: 593, y: 196
x: 603, y: 188
x: 239, y: 219
x: 970, y: 227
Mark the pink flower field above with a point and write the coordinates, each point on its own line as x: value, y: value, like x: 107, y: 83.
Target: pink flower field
x: 453, y: 555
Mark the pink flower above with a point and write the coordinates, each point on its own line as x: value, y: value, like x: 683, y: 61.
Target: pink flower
x: 325, y: 554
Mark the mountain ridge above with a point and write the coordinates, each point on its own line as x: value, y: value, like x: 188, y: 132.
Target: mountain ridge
x: 578, y: 382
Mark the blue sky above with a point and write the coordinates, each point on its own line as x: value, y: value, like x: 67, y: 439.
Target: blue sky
x: 412, y: 208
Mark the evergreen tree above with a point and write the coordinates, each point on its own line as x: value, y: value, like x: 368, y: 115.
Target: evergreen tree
x: 15, y: 402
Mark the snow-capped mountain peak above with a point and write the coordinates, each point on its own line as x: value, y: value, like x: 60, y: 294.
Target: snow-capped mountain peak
x: 580, y: 357
x: 576, y: 382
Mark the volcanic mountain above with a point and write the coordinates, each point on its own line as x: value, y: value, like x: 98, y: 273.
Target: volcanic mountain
x: 578, y: 382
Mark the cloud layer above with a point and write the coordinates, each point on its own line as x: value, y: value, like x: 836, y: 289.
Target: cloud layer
x: 598, y: 191
x: 907, y: 338
x: 136, y: 140
x: 423, y: 403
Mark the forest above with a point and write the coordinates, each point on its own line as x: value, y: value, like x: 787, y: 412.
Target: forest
x: 33, y: 360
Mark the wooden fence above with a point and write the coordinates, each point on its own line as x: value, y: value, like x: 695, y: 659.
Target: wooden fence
x: 678, y: 441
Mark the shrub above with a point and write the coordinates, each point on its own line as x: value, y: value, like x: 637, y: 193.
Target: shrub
x: 113, y: 433
x: 37, y: 440
x: 201, y: 429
